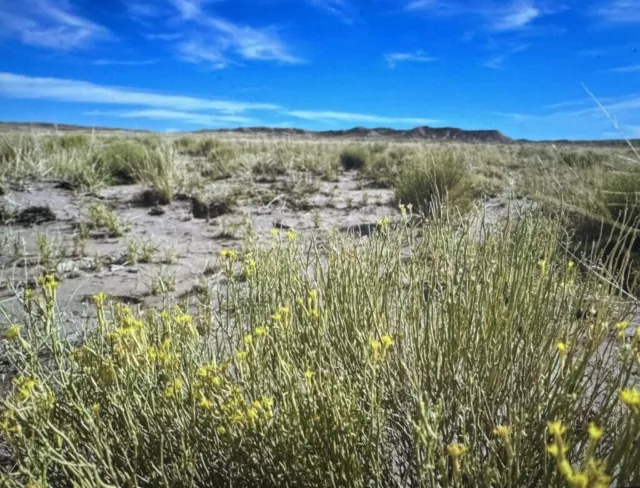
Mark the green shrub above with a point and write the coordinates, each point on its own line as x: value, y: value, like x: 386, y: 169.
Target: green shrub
x: 8, y: 151
x: 269, y: 168
x: 535, y: 151
x: 386, y: 164
x: 67, y: 142
x: 209, y: 147
x: 621, y: 196
x: 14, y: 150
x: 126, y: 162
x: 354, y: 157
x: 582, y: 158
x: 184, y: 144
x: 439, y: 177
x: 458, y: 365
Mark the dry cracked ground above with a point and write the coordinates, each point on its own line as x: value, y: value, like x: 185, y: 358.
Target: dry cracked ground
x: 164, y: 251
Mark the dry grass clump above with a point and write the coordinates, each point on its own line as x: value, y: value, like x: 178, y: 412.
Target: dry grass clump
x: 621, y: 195
x: 126, y: 162
x: 437, y: 177
x: 354, y: 157
x: 386, y: 163
x: 340, y: 364
x: 68, y: 142
x: 14, y: 149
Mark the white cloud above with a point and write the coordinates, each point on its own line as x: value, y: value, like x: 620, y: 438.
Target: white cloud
x: 356, y: 117
x: 619, y: 11
x: 184, y: 109
x: 123, y: 62
x: 437, y: 5
x: 139, y: 8
x: 624, y: 110
x: 215, y: 37
x: 189, y: 9
x: 50, y: 24
x: 497, y: 16
x: 167, y: 36
x: 64, y: 90
x: 497, y: 61
x: 256, y: 44
x: 340, y: 8
x: 179, y: 116
x: 634, y: 68
x: 195, y: 52
x: 416, y: 57
x: 516, y: 16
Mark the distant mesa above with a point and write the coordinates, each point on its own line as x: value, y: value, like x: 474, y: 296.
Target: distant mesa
x: 430, y: 133
x: 425, y: 133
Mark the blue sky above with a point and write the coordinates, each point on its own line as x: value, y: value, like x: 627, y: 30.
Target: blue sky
x: 525, y: 67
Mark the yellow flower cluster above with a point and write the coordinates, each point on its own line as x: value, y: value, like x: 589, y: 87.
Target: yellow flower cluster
x: 308, y: 375
x: 174, y: 388
x: 456, y: 451
x: 13, y: 333
x: 621, y: 327
x: 383, y: 223
x: 544, y: 266
x: 229, y: 254
x: 631, y: 398
x: 48, y: 282
x: 504, y: 432
x: 380, y: 348
x: 592, y: 475
x: 26, y: 386
x: 563, y: 348
x: 281, y: 315
x: 311, y: 306
x: 9, y: 426
x: 249, y: 268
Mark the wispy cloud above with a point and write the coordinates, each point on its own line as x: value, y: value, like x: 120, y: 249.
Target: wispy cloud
x: 179, y: 116
x: 196, y: 52
x: 186, y: 109
x: 436, y: 6
x: 497, y: 61
x: 123, y: 62
x: 64, y: 90
x: 515, y: 16
x: 167, y: 36
x: 619, y: 11
x: 329, y: 116
x: 213, y: 39
x: 48, y: 23
x: 416, y: 57
x: 633, y: 68
x: 138, y: 8
x: 343, y: 9
x: 497, y: 16
x: 624, y: 109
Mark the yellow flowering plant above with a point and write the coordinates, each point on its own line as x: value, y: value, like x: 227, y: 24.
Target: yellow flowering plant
x: 357, y: 362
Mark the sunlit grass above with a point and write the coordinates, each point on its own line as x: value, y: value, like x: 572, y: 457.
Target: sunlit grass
x: 419, y: 356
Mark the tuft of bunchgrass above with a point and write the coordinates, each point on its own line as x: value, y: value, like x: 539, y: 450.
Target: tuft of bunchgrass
x: 417, y: 357
x: 621, y: 195
x: 439, y: 177
x: 125, y: 162
x: 67, y: 142
x: 354, y: 157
